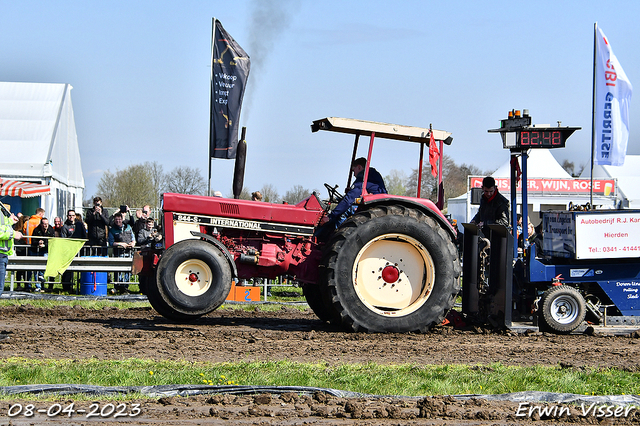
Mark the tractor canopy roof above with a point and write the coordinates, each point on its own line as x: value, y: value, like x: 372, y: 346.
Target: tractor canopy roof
x: 381, y: 130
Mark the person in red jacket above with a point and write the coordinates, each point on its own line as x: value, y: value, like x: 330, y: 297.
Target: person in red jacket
x: 494, y: 207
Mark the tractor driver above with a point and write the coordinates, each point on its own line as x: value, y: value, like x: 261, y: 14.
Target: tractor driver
x: 494, y: 207
x: 345, y: 208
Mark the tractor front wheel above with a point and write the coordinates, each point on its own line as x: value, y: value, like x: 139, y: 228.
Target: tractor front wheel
x: 193, y: 279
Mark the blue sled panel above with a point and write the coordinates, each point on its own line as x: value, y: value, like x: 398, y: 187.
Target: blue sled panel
x: 619, y: 280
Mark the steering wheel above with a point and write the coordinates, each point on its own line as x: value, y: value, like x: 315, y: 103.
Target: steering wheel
x: 334, y: 195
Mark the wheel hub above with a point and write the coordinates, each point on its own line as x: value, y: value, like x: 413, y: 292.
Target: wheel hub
x: 193, y: 277
x: 393, y: 274
x: 390, y: 274
x: 564, y: 309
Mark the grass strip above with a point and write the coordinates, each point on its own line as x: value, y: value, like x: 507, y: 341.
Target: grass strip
x: 87, y: 303
x: 108, y: 303
x: 404, y: 379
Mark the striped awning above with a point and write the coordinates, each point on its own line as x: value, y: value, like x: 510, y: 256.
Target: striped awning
x: 15, y: 188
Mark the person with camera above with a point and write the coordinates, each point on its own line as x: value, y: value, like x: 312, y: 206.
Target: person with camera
x: 147, y: 238
x: 148, y: 235
x: 141, y: 219
x: 97, y: 222
x: 127, y: 216
x: 122, y: 239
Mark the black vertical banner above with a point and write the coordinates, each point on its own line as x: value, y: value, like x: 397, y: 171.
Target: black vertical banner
x: 229, y: 73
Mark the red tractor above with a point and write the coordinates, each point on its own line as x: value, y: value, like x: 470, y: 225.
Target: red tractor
x: 390, y: 267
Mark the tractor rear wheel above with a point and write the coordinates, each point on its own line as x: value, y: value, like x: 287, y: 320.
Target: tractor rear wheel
x: 318, y: 301
x: 193, y: 278
x: 563, y: 309
x: 391, y: 269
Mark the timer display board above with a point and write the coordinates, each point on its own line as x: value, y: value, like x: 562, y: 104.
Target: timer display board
x: 527, y: 137
x: 539, y: 138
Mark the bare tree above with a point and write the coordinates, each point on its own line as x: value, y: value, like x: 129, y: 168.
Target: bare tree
x: 107, y: 188
x: 454, y: 179
x: 395, y: 182
x: 269, y: 193
x: 428, y: 184
x: 457, y: 177
x: 158, y: 178
x: 130, y: 186
x: 244, y: 194
x: 185, y: 180
x: 142, y: 184
x: 296, y: 194
x: 134, y: 186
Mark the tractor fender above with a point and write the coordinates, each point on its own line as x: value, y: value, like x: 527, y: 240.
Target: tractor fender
x: 413, y: 203
x: 222, y: 248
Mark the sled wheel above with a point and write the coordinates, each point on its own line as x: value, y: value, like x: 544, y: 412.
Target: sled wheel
x: 318, y: 302
x: 563, y: 309
x: 391, y: 269
x: 193, y: 279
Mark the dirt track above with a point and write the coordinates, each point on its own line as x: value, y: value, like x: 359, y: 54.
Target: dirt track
x: 298, y: 336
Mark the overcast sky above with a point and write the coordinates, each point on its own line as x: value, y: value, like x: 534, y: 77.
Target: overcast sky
x: 140, y: 72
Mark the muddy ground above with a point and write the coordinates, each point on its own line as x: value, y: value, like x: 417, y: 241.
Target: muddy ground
x: 72, y: 332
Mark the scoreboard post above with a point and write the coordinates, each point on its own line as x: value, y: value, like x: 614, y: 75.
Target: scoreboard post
x: 519, y: 136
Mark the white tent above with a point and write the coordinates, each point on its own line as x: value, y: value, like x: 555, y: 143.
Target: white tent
x: 541, y: 164
x: 627, y: 175
x: 39, y: 145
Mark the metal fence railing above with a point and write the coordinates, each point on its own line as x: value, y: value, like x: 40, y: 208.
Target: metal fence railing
x: 89, y: 259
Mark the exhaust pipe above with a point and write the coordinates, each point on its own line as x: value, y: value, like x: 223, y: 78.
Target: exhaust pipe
x: 241, y: 158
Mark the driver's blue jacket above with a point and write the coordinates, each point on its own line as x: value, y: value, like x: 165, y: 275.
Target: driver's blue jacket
x: 375, y: 185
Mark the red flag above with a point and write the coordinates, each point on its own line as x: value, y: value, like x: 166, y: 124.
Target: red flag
x: 516, y: 166
x: 434, y: 154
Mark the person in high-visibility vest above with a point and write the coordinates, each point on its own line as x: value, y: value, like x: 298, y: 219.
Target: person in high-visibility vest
x: 7, y: 235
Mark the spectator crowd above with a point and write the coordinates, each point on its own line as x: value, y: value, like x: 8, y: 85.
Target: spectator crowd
x: 118, y: 234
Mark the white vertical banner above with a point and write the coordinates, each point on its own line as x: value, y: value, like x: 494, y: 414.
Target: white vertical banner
x: 613, y: 93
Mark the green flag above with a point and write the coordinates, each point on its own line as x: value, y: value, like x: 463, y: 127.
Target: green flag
x: 61, y: 254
